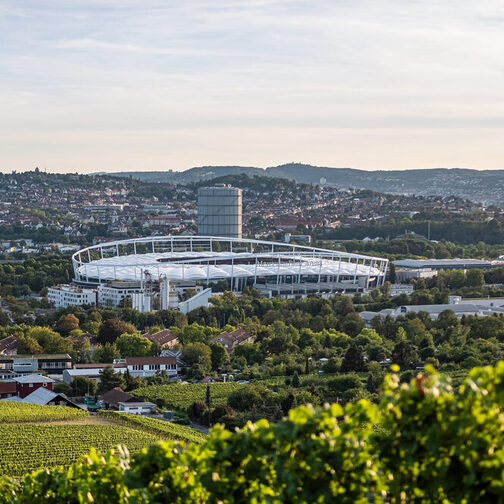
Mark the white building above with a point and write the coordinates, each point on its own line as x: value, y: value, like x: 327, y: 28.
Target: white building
x: 398, y: 289
x: 113, y: 293
x: 137, y: 408
x: 65, y: 295
x: 149, y: 366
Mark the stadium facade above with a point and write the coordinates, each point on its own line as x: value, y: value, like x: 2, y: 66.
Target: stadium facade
x: 273, y: 268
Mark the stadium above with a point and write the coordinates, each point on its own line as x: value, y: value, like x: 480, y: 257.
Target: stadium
x: 273, y: 268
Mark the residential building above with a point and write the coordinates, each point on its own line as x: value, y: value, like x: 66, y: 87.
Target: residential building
x: 164, y: 338
x: 149, y: 366
x: 51, y: 363
x: 234, y: 338
x: 111, y: 294
x: 8, y: 389
x: 26, y: 384
x: 112, y: 398
x: 45, y: 397
x: 9, y: 345
x: 65, y: 295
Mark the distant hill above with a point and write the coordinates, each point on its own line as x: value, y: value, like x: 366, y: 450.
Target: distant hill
x: 486, y: 186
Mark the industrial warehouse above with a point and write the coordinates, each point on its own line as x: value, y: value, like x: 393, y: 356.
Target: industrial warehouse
x: 272, y: 268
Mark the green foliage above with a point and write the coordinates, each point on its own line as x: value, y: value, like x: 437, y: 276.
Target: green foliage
x: 133, y: 345
x: 112, y: 328
x: 82, y: 385
x: 109, y: 379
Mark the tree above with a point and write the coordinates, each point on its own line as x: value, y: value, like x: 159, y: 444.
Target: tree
x: 295, y: 380
x: 81, y: 350
x: 106, y: 354
x: 353, y: 360
x: 197, y: 354
x: 112, y: 328
x: 475, y: 278
x: 248, y: 397
x: 208, y: 398
x: 219, y: 356
x: 62, y: 388
x: 196, y: 411
x: 109, y: 379
x: 352, y: 324
x: 344, y: 306
x: 392, y: 273
x: 50, y: 341
x: 404, y: 355
x: 133, y: 345
x: 28, y: 345
x: 82, y: 385
x: 66, y: 324
x: 131, y: 383
x: 4, y: 318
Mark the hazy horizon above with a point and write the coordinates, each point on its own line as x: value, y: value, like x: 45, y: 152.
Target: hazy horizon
x: 112, y: 85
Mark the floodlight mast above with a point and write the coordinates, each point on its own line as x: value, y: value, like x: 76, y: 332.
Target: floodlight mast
x: 147, y: 284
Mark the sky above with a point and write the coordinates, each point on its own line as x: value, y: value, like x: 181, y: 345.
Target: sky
x: 113, y: 85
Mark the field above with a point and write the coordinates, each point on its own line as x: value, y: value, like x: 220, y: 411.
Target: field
x: 35, y: 437
x: 26, y: 447
x: 177, y: 396
x: 159, y: 428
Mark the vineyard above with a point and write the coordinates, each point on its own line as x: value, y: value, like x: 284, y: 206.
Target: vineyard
x: 26, y: 447
x: 14, y: 412
x: 159, y: 428
x: 437, y: 444
x: 177, y: 396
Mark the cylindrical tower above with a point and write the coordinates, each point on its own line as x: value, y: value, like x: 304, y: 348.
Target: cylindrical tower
x: 220, y: 211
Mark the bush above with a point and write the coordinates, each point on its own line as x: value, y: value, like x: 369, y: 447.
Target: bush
x: 221, y: 411
x: 196, y: 410
x: 344, y: 382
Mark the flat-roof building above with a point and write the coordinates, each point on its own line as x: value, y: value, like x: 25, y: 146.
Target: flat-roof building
x: 444, y: 263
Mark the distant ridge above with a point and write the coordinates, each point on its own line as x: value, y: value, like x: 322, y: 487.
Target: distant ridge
x: 485, y: 186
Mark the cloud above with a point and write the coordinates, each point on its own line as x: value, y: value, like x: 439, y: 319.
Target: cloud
x: 272, y: 67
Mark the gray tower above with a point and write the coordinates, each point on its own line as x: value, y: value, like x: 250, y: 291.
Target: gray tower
x: 220, y: 211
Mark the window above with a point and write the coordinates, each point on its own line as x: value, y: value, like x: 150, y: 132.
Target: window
x: 154, y: 367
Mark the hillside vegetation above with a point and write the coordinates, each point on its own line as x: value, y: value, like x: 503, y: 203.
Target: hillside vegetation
x: 424, y: 443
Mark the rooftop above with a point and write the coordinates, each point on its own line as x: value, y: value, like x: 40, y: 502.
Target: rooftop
x: 36, y: 356
x: 443, y: 263
x: 142, y: 361
x: 33, y: 378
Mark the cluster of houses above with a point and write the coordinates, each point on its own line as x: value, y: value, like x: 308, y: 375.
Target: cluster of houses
x: 31, y: 378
